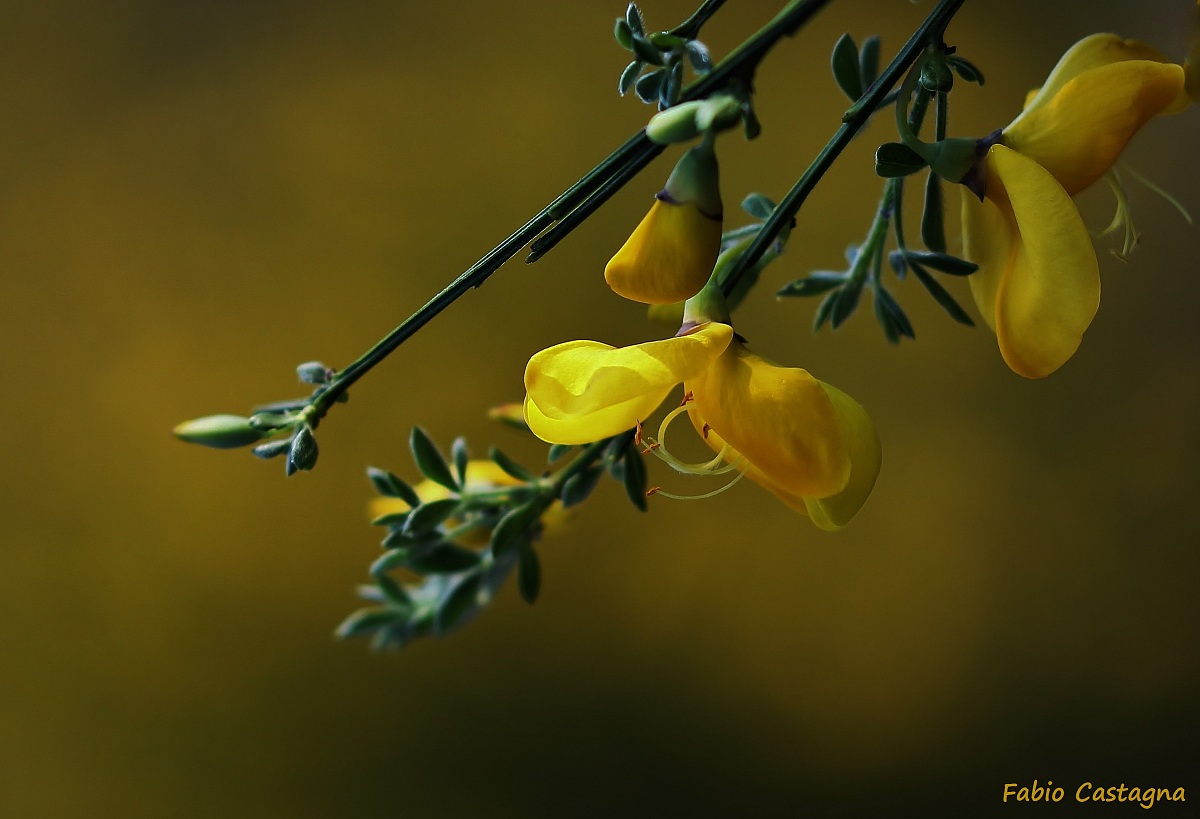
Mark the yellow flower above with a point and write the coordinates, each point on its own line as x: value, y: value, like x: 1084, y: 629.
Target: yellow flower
x: 669, y: 256
x: 1038, y: 283
x: 482, y: 475
x: 807, y: 442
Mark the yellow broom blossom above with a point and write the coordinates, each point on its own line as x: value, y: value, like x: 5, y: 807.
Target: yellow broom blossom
x: 1038, y: 283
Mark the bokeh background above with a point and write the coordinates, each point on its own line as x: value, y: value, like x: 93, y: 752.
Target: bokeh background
x: 195, y: 197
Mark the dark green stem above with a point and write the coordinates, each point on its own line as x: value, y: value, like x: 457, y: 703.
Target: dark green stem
x: 689, y: 29
x: 577, y: 202
x: 853, y: 121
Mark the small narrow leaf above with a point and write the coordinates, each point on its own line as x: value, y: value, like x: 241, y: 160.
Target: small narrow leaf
x: 628, y: 76
x: 844, y: 62
x: 821, y: 281
x: 699, y: 56
x: 758, y: 206
x: 888, y: 310
x: 428, y: 516
x: 529, y: 574
x: 513, y: 528
x: 429, y: 460
x: 510, y: 466
x: 868, y: 61
x: 633, y: 16
x: 390, y: 486
x: 824, y: 310
x: 623, y: 32
x: 458, y: 604
x: 897, y: 159
x: 941, y: 295
x: 965, y: 69
x: 951, y: 265
x: 669, y: 94
x: 577, y: 489
x: 645, y: 51
x: 389, y: 561
x: 649, y: 85
x: 393, y: 592
x: 557, y: 451
x: 635, y: 478
x: 460, y: 454
x: 363, y: 622
x: 933, y: 233
x: 445, y: 558
x: 392, y: 519
x: 845, y: 303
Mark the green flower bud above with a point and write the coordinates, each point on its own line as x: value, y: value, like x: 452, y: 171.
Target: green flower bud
x: 219, y: 431
x: 676, y: 124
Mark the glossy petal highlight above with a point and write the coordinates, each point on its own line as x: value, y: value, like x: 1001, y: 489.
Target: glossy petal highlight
x: 780, y: 418
x: 1077, y: 133
x: 668, y: 257
x: 1049, y: 289
x: 584, y: 391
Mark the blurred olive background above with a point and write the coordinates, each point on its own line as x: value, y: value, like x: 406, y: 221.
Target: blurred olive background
x: 196, y: 197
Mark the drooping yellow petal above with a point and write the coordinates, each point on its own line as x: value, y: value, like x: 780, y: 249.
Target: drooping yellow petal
x: 1078, y: 132
x: 668, y: 257
x: 860, y: 438
x: 988, y: 236
x: 1049, y: 290
x: 779, y: 418
x: 584, y: 391
x: 1092, y: 52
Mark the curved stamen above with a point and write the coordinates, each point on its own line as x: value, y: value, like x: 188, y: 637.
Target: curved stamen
x: 660, y: 491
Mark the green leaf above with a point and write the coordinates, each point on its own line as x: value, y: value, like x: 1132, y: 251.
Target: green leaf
x: 428, y: 516
x: 395, y: 520
x: 965, y: 69
x: 364, y: 621
x: 895, y: 323
x: 529, y: 574
x: 668, y: 95
x: 557, y: 451
x: 645, y: 51
x: 699, y: 56
x: 635, y: 477
x: 844, y: 62
x: 845, y: 303
x: 271, y: 449
x: 511, y: 467
x: 390, y: 486
x: 868, y: 61
x: 933, y: 233
x: 820, y: 281
x: 430, y: 461
x: 393, y: 592
x: 460, y: 454
x: 302, y: 455
x: 758, y: 206
x: 389, y: 561
x: 649, y: 85
x: 577, y: 489
x: 824, y: 310
x: 624, y: 33
x: 444, y: 558
x: 633, y: 16
x: 940, y: 295
x: 751, y: 127
x: 897, y: 159
x: 666, y: 41
x: 459, y: 603
x: 513, y: 527
x: 951, y: 265
x: 628, y: 76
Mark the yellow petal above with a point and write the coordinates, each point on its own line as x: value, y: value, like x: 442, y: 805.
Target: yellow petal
x: 584, y: 391
x: 780, y: 418
x: 1089, y: 53
x: 669, y: 256
x: 988, y: 234
x: 1078, y: 132
x: 1049, y: 290
x: 866, y: 456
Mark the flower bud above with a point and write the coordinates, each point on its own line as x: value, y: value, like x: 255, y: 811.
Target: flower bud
x: 676, y: 124
x: 670, y: 255
x: 219, y: 431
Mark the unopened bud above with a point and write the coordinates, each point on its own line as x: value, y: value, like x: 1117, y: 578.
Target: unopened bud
x: 219, y: 431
